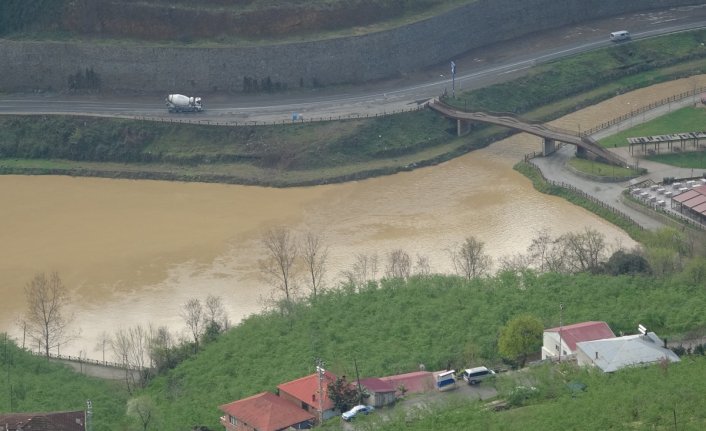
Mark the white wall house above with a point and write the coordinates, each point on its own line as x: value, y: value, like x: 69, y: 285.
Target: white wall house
x: 562, y: 339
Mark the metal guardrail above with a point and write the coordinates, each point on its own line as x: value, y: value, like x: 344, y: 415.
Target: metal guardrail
x: 299, y: 120
x: 81, y: 360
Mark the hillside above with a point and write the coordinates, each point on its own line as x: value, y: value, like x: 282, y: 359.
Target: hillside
x: 220, y: 20
x: 393, y: 327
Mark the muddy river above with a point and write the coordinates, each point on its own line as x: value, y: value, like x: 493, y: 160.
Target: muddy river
x: 132, y: 252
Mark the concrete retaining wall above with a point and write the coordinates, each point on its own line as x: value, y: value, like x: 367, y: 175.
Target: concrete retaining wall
x: 30, y: 66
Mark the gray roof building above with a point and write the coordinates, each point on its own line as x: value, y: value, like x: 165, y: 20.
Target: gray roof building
x: 613, y: 354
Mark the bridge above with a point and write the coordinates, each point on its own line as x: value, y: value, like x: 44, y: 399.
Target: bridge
x: 550, y: 135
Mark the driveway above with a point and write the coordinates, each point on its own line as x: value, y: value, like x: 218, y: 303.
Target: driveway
x: 411, y: 403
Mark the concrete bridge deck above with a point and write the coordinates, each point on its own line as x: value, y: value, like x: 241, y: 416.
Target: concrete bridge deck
x: 548, y: 133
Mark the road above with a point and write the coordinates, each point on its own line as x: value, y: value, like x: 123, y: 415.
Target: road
x: 475, y: 69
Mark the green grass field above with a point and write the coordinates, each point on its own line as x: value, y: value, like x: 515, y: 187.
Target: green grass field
x: 601, y: 169
x: 688, y: 119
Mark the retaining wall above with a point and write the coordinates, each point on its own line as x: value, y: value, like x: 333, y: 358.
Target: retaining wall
x: 35, y: 66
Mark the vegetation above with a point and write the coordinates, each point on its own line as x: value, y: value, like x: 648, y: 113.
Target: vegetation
x: 32, y: 384
x: 600, y: 169
x: 520, y: 338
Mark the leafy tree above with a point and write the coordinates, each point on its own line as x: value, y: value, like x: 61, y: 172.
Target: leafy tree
x: 521, y: 337
x: 343, y: 394
x: 143, y: 411
x: 627, y: 263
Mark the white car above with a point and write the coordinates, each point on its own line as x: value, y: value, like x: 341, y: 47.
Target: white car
x: 350, y: 414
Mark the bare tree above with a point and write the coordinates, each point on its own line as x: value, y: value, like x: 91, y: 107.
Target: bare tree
x: 192, y: 313
x: 215, y: 313
x: 363, y: 271
x: 583, y: 251
x: 278, y: 265
x: 131, y: 348
x: 399, y: 265
x: 314, y: 254
x: 422, y: 267
x: 539, y: 250
x: 515, y: 263
x: 46, y: 323
x: 469, y: 259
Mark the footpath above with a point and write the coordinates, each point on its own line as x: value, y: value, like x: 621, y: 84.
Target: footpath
x: 554, y: 167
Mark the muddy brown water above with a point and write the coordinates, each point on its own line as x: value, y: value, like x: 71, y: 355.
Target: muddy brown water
x: 132, y: 252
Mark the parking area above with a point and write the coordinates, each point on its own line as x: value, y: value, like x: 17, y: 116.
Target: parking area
x: 463, y: 390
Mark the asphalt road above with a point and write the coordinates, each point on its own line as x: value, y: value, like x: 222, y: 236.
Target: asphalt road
x: 477, y: 68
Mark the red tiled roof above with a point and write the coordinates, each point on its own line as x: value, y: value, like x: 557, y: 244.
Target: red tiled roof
x: 418, y: 381
x: 52, y: 421
x: 306, y: 389
x: 373, y: 384
x: 584, y: 331
x: 266, y: 412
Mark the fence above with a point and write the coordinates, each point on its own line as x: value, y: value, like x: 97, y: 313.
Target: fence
x: 83, y: 360
x: 641, y: 110
x: 586, y: 196
x: 299, y: 120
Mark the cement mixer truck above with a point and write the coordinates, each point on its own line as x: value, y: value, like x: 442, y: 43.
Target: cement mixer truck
x: 181, y: 103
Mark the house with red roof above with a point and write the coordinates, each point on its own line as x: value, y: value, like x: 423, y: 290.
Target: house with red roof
x: 411, y: 383
x: 264, y: 412
x: 54, y: 421
x: 311, y: 394
x: 564, y: 338
x: 380, y: 392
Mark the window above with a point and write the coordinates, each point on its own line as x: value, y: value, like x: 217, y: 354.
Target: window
x: 232, y: 420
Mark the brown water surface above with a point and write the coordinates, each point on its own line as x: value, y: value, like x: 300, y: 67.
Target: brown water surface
x: 132, y: 252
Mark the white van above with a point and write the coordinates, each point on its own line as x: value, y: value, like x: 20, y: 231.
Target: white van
x: 618, y: 36
x: 477, y: 374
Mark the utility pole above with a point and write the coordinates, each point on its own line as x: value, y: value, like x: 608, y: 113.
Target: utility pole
x: 320, y: 374
x: 357, y: 378
x: 561, y: 316
x: 453, y: 79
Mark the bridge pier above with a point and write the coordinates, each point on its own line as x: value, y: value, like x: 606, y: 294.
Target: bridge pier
x: 581, y: 152
x: 463, y: 127
x: 548, y: 146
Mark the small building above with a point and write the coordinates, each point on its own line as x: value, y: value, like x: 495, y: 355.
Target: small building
x: 264, y: 412
x: 381, y: 393
x: 566, y: 337
x: 304, y: 393
x: 411, y: 383
x: 615, y: 353
x: 54, y: 421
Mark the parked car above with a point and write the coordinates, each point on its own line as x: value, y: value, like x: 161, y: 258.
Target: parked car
x: 359, y: 409
x: 477, y: 375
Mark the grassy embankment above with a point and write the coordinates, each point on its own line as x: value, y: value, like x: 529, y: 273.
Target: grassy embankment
x: 31, y: 384
x: 301, y: 154
x: 393, y: 327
